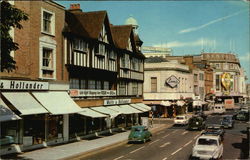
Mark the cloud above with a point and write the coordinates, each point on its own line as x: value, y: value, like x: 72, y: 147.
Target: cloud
x: 176, y: 44
x: 192, y: 29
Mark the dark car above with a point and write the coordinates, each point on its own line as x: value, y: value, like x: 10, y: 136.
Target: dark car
x: 201, y: 114
x: 196, y: 123
x: 214, y: 129
x: 227, y: 121
x: 139, y: 134
x: 242, y: 116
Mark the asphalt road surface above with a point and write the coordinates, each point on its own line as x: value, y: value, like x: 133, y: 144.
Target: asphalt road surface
x: 175, y: 143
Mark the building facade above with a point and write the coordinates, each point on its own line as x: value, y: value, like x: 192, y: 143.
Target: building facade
x: 167, y: 85
x: 74, y: 79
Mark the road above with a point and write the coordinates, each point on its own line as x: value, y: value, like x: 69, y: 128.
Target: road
x: 175, y: 143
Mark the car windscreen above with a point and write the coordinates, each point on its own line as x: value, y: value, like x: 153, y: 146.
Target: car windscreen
x: 179, y: 117
x: 203, y: 141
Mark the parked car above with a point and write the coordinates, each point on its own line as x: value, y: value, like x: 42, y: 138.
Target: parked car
x: 208, y: 147
x: 227, y: 121
x: 139, y: 134
x: 6, y: 140
x: 196, y: 123
x: 181, y: 120
x: 214, y: 129
x: 242, y: 116
x: 219, y: 109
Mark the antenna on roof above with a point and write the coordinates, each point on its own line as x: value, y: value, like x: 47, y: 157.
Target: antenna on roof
x: 215, y: 45
x: 230, y: 46
x: 202, y: 45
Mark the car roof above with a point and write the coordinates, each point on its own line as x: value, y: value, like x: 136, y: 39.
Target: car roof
x: 209, y: 137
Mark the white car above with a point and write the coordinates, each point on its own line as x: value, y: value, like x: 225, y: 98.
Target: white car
x: 181, y: 120
x: 208, y: 147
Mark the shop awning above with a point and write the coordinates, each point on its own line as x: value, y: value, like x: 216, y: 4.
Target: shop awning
x: 144, y: 106
x: 139, y: 107
x: 57, y: 102
x: 91, y: 113
x: 105, y: 110
x: 118, y: 109
x: 25, y: 103
x: 166, y: 103
x: 6, y: 114
x: 130, y: 109
x: 180, y: 103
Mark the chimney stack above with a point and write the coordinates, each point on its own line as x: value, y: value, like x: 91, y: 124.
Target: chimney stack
x: 75, y: 7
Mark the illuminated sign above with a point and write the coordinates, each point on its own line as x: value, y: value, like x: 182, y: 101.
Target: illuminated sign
x: 227, y: 82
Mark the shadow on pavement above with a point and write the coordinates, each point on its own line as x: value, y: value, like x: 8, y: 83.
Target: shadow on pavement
x: 244, y: 147
x: 14, y: 156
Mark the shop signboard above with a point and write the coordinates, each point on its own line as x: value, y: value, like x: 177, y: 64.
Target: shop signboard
x: 23, y: 85
x: 116, y: 101
x: 91, y: 93
x: 172, y: 81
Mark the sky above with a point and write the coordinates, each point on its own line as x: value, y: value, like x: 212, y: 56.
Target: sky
x: 187, y: 27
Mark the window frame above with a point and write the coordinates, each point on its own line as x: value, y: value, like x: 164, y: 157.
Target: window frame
x: 52, y: 23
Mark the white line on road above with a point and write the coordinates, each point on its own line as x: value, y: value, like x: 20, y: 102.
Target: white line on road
x: 165, y: 144
x: 185, y: 132
x: 176, y: 151
x: 165, y: 158
x: 188, y: 143
x: 136, y: 150
x: 196, y: 136
x: 174, y: 131
x: 165, y: 136
x: 153, y: 141
x: 118, y: 157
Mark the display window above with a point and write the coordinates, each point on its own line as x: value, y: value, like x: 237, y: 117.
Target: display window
x: 34, y: 129
x: 55, y: 127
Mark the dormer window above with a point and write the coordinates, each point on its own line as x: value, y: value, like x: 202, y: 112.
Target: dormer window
x: 103, y: 35
x: 100, y: 50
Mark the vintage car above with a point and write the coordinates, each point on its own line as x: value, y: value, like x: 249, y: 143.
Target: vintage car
x: 214, y: 129
x: 227, y: 121
x: 6, y: 140
x: 139, y: 134
x: 181, y: 120
x: 207, y: 147
x: 242, y: 116
x: 196, y: 123
x: 219, y: 109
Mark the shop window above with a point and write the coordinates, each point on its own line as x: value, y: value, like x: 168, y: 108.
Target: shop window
x: 9, y: 133
x: 74, y: 83
x: 55, y: 127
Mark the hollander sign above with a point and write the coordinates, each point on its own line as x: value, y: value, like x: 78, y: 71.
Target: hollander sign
x: 116, y: 101
x: 91, y: 93
x: 23, y: 85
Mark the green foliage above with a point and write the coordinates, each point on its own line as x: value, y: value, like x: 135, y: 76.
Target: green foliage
x: 10, y: 17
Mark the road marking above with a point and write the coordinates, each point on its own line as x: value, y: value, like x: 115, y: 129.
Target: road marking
x: 153, y: 141
x: 176, y: 151
x: 160, y: 132
x: 165, y: 136
x: 165, y: 144
x: 128, y: 145
x: 188, y: 143
x: 185, y: 132
x: 196, y: 136
x: 137, y: 149
x: 118, y: 157
x: 174, y: 131
x: 165, y: 158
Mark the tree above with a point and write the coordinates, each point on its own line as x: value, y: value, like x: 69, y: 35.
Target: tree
x: 10, y: 17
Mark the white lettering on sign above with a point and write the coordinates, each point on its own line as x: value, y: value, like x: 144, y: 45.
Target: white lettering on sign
x: 91, y: 93
x: 172, y: 81
x: 116, y: 101
x: 23, y: 85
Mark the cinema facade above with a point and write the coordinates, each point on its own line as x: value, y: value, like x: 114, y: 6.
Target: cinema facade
x: 77, y: 77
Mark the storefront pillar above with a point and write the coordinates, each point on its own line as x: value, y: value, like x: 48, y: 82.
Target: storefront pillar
x: 66, y: 127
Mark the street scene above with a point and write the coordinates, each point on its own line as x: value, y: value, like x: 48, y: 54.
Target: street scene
x: 124, y: 80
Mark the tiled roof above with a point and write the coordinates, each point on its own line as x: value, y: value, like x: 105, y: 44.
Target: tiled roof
x: 121, y: 34
x: 87, y: 24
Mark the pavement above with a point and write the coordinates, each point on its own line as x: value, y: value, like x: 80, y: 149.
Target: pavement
x: 71, y: 150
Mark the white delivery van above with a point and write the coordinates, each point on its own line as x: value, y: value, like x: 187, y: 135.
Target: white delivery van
x: 219, y: 109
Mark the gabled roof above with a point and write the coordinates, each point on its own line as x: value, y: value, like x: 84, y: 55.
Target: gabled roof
x: 87, y: 24
x: 121, y: 34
